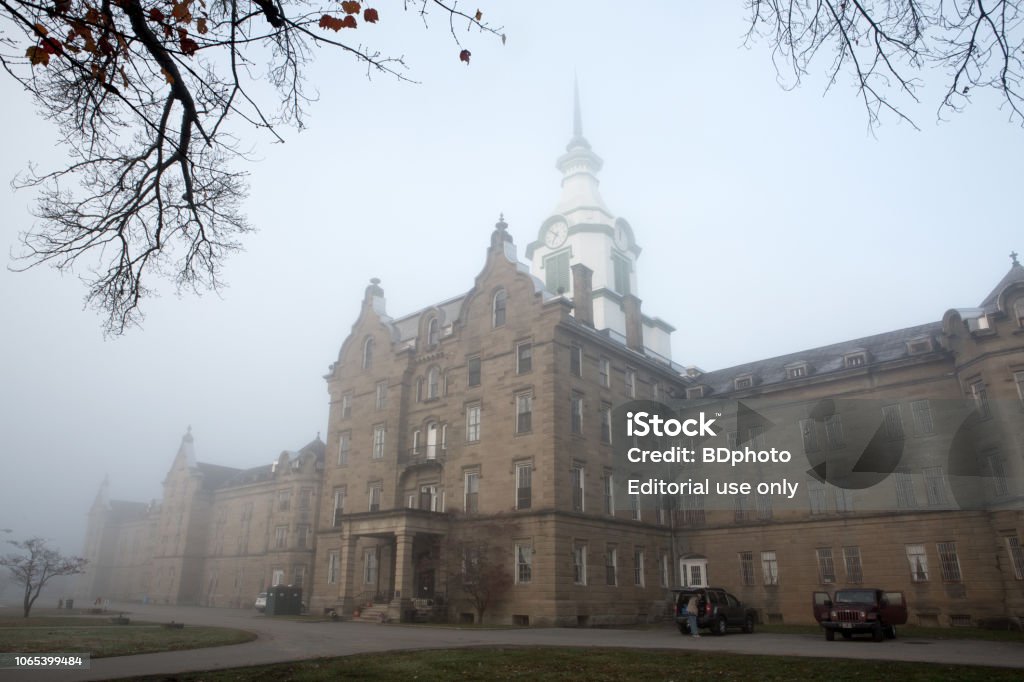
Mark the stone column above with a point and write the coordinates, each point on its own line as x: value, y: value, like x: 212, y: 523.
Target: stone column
x: 347, y: 569
x: 401, y: 600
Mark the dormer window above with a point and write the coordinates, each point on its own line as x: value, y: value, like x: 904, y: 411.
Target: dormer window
x: 858, y: 359
x: 433, y: 333
x: 743, y: 381
x: 498, y: 308
x: 694, y: 392
x: 796, y: 371
x: 977, y: 324
x: 918, y: 346
x: 368, y: 353
x: 1018, y: 311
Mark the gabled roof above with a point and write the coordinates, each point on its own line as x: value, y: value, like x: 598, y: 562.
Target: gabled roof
x: 879, y: 348
x: 1016, y: 274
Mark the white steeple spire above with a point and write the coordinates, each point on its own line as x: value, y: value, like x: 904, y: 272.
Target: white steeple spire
x: 579, y: 166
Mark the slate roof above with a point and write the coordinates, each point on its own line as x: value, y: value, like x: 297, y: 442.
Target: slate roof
x: 1016, y: 274
x: 879, y: 348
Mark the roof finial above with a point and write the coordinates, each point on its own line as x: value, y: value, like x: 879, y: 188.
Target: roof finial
x: 1013, y: 257
x: 501, y: 224
x: 577, y: 117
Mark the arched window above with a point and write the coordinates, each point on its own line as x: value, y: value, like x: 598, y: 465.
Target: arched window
x: 368, y: 353
x: 433, y: 333
x: 500, y: 301
x: 433, y: 382
x: 1018, y: 311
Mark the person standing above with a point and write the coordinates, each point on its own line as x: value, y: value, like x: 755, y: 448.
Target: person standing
x: 691, y: 615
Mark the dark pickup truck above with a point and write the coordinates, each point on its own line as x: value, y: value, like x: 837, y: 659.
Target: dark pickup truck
x: 861, y: 610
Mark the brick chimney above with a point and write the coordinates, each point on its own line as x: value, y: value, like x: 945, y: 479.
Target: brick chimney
x: 634, y: 323
x: 583, y: 293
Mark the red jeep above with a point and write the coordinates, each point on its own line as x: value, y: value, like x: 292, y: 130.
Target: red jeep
x: 860, y: 610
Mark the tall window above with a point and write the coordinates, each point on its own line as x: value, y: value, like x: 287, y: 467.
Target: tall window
x: 935, y: 486
x: 620, y: 266
x: 746, y: 568
x: 368, y: 353
x: 844, y: 500
x: 666, y: 577
x: 524, y: 412
x: 770, y: 568
x: 576, y: 412
x: 764, y: 507
x: 472, y: 503
x: 997, y: 467
x: 378, y: 441
x: 344, y: 447
x: 281, y: 537
x: 473, y: 370
x: 524, y: 562
x: 631, y: 382
x: 301, y: 536
x: 834, y: 432
x: 1016, y: 552
x: 524, y: 357
x: 498, y: 308
x: 851, y: 560
x: 524, y: 485
x: 980, y: 394
x: 339, y: 504
x: 892, y: 417
x: 1018, y: 377
x: 611, y: 566
x: 433, y: 333
x: 606, y: 423
x: 433, y: 383
x: 284, y: 500
x: 473, y: 423
x: 576, y: 360
x: 605, y: 366
x: 905, y: 498
x: 638, y: 566
x: 609, y: 494
x: 375, y: 494
x: 810, y: 435
x: 346, y: 405
x: 382, y: 395
x: 918, y: 560
x: 579, y: 563
x: 826, y: 567
x: 577, y: 478
x: 634, y: 505
x: 949, y: 562
x: 332, y: 567
x: 922, y: 417
x: 816, y: 495
x: 556, y: 272
x: 305, y: 498
x: 370, y: 559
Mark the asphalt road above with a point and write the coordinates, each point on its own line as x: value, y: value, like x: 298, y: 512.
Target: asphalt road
x: 283, y: 640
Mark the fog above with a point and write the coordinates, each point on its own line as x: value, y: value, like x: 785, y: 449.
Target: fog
x: 770, y: 221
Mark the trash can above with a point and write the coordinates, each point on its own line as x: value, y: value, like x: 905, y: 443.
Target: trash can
x: 284, y: 600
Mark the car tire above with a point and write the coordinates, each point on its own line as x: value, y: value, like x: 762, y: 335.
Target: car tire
x: 748, y: 625
x: 720, y: 627
x: 876, y: 633
x: 890, y: 632
x: 830, y: 635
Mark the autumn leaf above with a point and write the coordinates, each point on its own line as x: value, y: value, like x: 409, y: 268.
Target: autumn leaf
x: 156, y: 15
x: 350, y: 7
x: 464, y: 56
x: 181, y: 13
x: 333, y: 23
x: 52, y: 46
x: 479, y: 15
x: 201, y: 26
x: 41, y: 30
x: 168, y: 76
x: 188, y: 46
x: 349, y: 22
x: 37, y: 55
x: 370, y: 16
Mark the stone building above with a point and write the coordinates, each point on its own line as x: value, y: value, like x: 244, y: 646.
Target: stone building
x: 493, y: 421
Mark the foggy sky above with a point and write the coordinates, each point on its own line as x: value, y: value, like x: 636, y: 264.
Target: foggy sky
x: 770, y: 221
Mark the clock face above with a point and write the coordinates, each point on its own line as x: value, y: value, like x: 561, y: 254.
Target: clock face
x: 621, y: 238
x: 556, y: 235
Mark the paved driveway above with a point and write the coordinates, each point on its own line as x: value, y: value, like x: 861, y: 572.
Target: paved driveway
x: 282, y: 640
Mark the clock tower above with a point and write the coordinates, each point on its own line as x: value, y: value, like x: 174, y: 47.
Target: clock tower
x: 581, y: 230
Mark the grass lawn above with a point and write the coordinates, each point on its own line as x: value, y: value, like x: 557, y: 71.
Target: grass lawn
x: 542, y: 664
x: 99, y: 637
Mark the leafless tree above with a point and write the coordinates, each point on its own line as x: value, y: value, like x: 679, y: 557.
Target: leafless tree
x: 478, y: 563
x: 144, y: 93
x: 887, y: 45
x: 36, y: 565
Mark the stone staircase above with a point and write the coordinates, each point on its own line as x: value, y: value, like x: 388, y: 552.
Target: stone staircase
x: 375, y: 613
